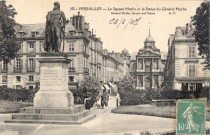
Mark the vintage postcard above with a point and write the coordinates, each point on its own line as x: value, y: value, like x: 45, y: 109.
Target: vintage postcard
x: 104, y: 67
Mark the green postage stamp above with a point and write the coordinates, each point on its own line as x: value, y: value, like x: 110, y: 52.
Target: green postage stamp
x: 190, y: 117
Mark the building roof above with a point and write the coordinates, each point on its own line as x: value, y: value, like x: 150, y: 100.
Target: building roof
x: 125, y: 52
x: 28, y: 28
x: 149, y: 38
x: 39, y: 28
x: 69, y: 27
x: 190, y: 34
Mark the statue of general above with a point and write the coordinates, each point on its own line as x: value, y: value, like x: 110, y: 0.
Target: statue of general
x: 55, y: 26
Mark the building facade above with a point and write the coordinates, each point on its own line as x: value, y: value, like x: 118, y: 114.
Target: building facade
x: 83, y: 48
x: 148, y: 66
x: 184, y: 69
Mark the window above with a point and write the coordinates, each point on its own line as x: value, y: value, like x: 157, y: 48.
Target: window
x: 31, y: 64
x: 155, y: 63
x: 31, y: 45
x: 95, y: 58
x: 95, y: 46
x: 191, y: 70
x: 184, y: 86
x: 4, y: 78
x: 33, y: 34
x: 92, y: 56
x: 192, y: 86
x: 31, y: 87
x: 71, y: 47
x: 5, y: 66
x: 140, y: 62
x: 148, y: 63
x: 71, y: 78
x: 71, y: 65
x: 31, y: 78
x: 18, y: 87
x: 18, y: 64
x: 18, y: 79
x: 71, y: 33
x: 191, y: 51
x: 21, y: 34
x: 140, y: 77
x: 156, y: 80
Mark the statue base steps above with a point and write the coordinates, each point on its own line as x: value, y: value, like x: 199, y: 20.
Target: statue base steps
x: 36, y: 115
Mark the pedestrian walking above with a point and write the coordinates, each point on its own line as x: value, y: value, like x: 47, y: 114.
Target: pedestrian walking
x: 87, y: 102
x: 102, y: 101
x: 106, y: 99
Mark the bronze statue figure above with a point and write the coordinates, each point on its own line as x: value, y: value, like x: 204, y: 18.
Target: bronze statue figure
x: 55, y: 26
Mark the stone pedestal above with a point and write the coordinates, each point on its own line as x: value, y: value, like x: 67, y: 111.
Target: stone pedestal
x: 53, y: 103
x: 53, y: 82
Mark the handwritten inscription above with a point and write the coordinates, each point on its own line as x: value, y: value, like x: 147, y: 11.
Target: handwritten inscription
x: 125, y: 22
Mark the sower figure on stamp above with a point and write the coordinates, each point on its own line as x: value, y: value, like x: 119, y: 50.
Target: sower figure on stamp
x: 55, y: 26
x: 191, y: 125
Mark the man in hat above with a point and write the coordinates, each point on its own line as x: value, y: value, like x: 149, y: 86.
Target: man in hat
x: 55, y: 25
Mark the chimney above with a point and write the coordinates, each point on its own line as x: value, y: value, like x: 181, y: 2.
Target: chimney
x: 178, y: 32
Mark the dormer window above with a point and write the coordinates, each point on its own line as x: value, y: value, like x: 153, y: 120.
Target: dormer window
x: 21, y: 33
x: 71, y: 33
x: 34, y: 34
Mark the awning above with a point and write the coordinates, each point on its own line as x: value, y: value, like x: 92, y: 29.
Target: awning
x: 106, y: 87
x: 111, y: 84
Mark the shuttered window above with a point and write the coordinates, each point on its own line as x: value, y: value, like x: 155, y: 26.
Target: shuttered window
x: 192, y: 51
x: 191, y: 70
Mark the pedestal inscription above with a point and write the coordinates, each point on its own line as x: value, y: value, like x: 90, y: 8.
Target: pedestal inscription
x: 50, y: 77
x: 53, y: 83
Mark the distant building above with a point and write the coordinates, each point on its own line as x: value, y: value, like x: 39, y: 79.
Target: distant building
x: 148, y: 66
x: 83, y: 48
x: 121, y: 66
x: 184, y: 69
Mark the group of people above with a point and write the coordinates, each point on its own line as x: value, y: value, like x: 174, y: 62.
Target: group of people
x: 102, y: 100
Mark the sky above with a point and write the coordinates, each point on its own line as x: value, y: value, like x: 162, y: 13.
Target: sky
x: 123, y: 34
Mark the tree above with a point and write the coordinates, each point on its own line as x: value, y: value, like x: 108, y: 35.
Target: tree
x: 127, y: 91
x: 128, y: 83
x: 201, y: 22
x: 91, y: 88
x: 8, y: 46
